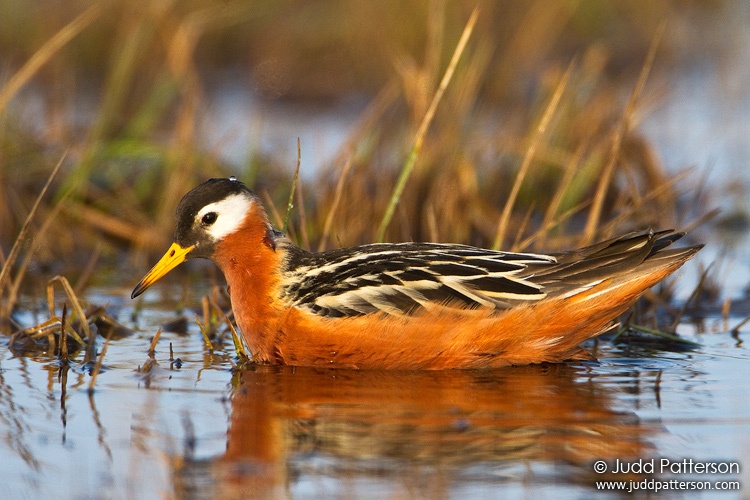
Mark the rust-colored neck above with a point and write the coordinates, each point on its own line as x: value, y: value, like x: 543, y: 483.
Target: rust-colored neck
x: 250, y: 262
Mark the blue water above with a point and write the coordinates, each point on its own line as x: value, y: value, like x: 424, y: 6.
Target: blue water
x: 200, y: 429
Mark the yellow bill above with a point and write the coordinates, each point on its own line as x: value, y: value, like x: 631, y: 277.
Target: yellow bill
x: 173, y: 258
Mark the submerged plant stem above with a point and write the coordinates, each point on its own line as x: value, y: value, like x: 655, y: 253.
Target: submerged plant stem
x: 98, y: 365
x: 206, y: 340
x: 152, y: 347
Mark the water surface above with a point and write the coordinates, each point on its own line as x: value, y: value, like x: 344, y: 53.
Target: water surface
x: 194, y: 426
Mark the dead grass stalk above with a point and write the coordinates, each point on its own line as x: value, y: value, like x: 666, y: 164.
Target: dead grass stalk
x: 592, y: 225
x: 21, y: 238
x: 424, y: 125
x: 502, y: 226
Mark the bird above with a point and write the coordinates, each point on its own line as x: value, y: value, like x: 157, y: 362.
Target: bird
x: 409, y: 306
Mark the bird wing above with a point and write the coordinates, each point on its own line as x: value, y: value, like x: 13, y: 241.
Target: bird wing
x: 402, y: 279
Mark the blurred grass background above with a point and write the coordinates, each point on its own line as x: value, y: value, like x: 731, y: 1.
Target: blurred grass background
x: 121, y: 89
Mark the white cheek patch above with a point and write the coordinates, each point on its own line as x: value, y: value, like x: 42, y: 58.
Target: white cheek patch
x: 230, y: 213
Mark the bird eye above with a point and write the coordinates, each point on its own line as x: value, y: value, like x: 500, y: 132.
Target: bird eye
x: 209, y: 218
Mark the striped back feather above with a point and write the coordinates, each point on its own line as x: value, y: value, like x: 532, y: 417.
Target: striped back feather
x: 406, y: 278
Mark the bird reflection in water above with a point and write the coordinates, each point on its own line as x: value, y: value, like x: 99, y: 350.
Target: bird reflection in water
x: 423, y: 432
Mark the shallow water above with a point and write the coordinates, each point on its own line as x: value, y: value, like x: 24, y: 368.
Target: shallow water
x: 196, y: 428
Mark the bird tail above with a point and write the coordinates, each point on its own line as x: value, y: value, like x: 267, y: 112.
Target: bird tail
x: 591, y: 287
